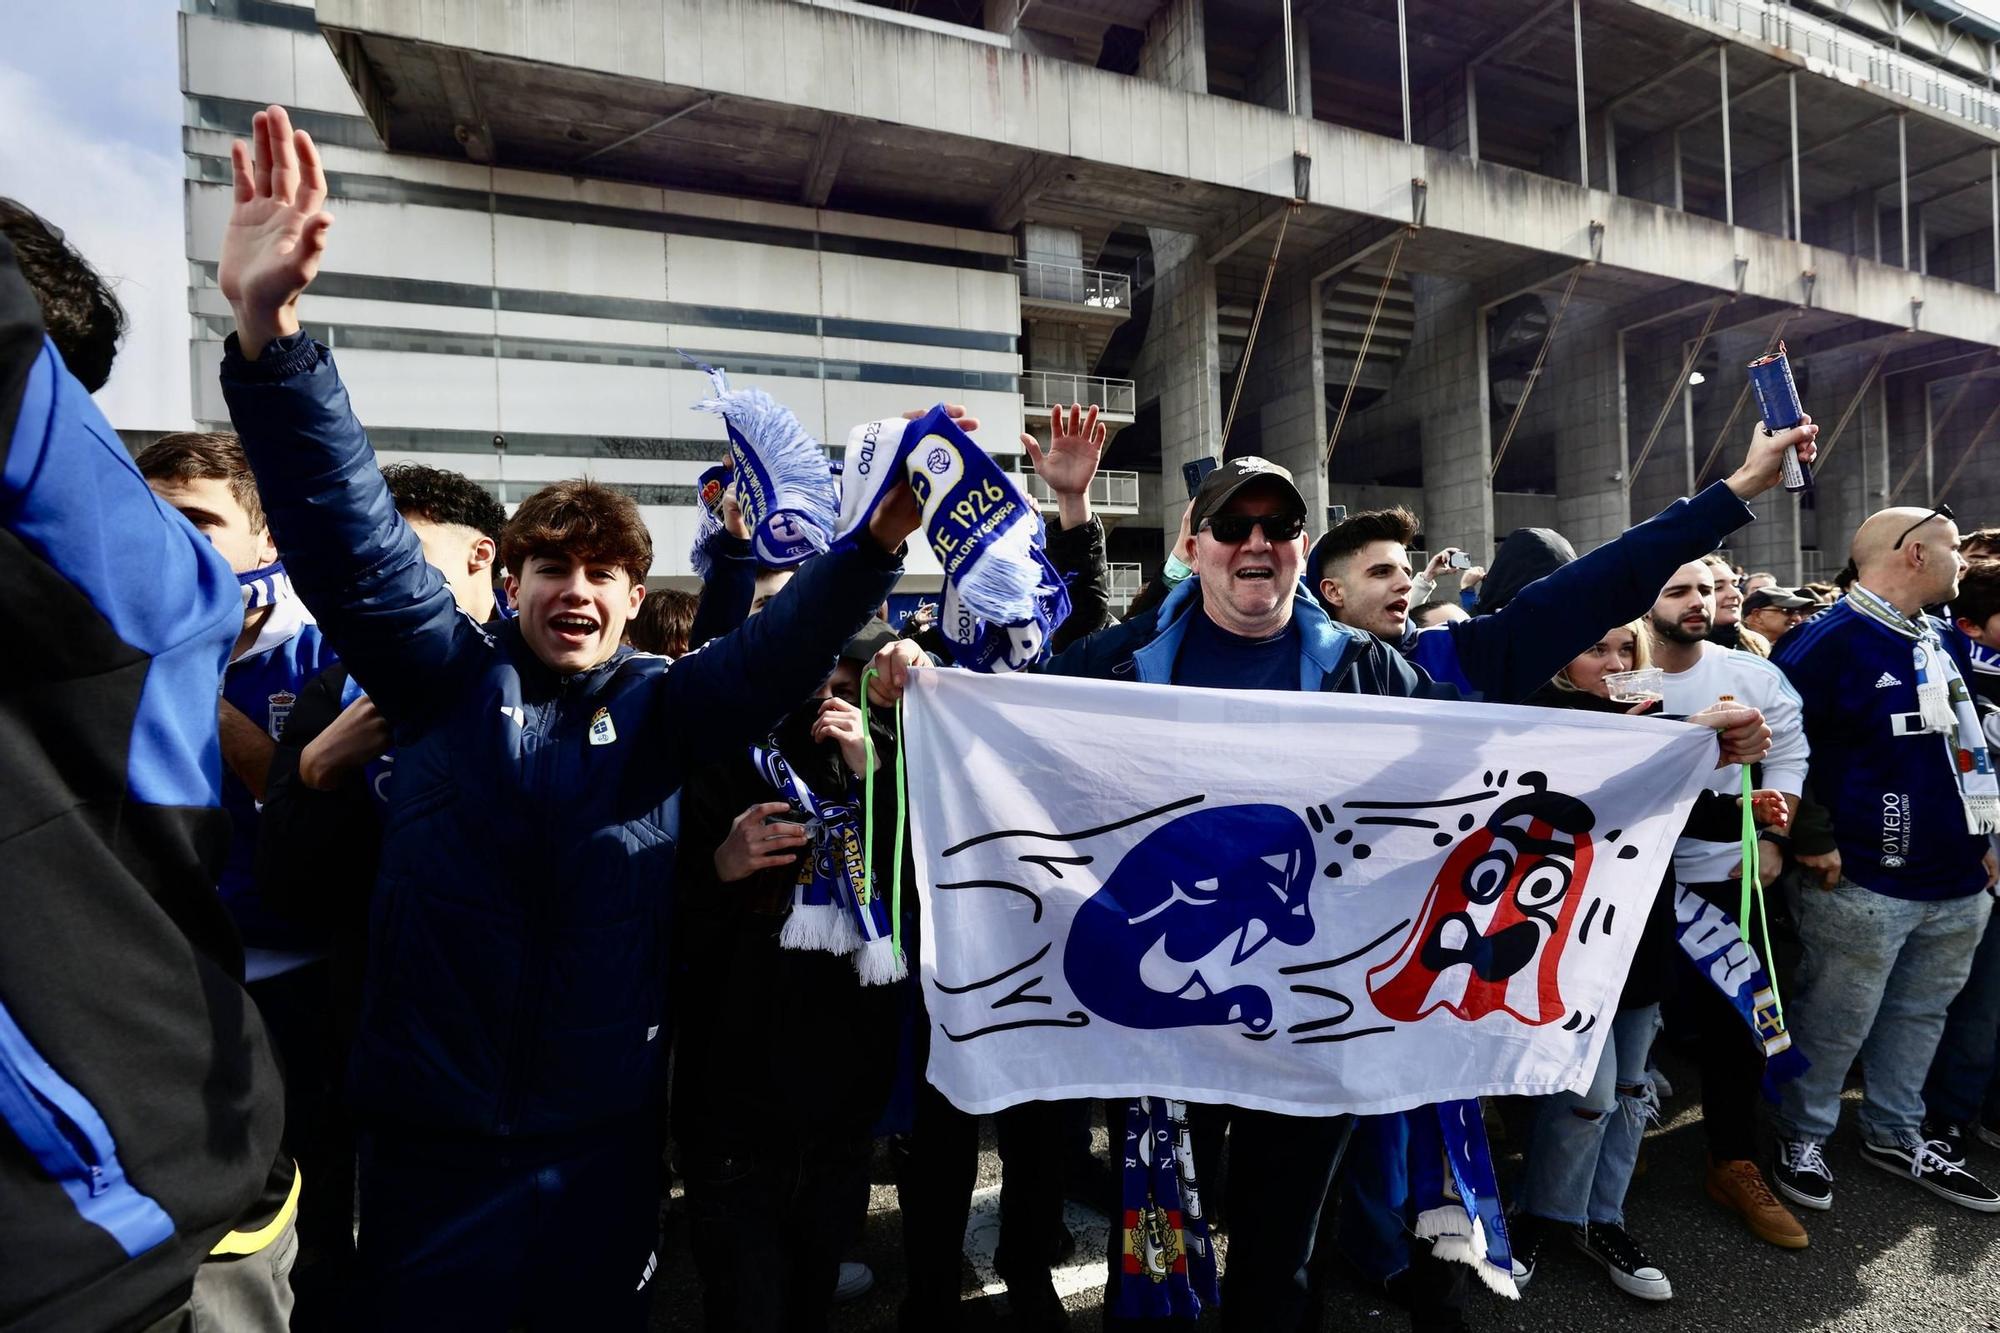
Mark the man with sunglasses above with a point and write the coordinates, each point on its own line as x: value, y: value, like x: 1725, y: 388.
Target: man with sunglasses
x: 1245, y: 622
x: 1901, y: 763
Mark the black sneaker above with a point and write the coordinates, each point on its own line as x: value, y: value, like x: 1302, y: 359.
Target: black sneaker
x: 1930, y: 1168
x: 1628, y: 1266
x: 1988, y: 1133
x: 1526, y: 1234
x: 1948, y: 1137
x: 1802, y: 1175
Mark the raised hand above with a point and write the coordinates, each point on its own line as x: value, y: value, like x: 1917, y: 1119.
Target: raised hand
x: 277, y: 229
x: 1761, y: 466
x: 1068, y: 465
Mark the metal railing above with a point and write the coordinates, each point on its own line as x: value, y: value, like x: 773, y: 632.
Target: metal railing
x: 1852, y: 55
x: 1045, y: 388
x: 1074, y: 286
x: 1122, y: 583
x: 1109, y: 490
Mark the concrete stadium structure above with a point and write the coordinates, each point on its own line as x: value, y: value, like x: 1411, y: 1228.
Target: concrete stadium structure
x: 1503, y: 260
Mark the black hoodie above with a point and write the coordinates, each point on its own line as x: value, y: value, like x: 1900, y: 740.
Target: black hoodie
x: 1525, y: 554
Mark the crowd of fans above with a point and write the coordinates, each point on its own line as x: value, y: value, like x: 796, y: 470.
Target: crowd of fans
x: 369, y: 850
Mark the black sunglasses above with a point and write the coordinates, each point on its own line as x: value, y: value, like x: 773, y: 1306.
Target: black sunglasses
x: 1942, y: 511
x: 1230, y: 529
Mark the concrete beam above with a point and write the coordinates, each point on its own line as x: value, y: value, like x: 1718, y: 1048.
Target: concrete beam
x: 1209, y: 155
x: 1644, y: 86
x: 1343, y: 252
x: 835, y: 133
x: 454, y: 74
x: 1529, y: 277
x: 1034, y: 178
x: 1734, y: 97
x: 1241, y: 231
x: 1515, y: 35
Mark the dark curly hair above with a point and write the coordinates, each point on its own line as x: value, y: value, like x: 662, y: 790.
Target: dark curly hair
x: 438, y: 495
x: 81, y: 315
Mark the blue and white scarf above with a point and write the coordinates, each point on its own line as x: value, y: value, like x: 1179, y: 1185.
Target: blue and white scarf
x: 707, y: 519
x: 265, y: 587
x: 1455, y: 1193
x: 1002, y: 597
x: 833, y: 908
x: 1944, y: 706
x: 1714, y: 942
x: 779, y: 471
x: 1167, y: 1267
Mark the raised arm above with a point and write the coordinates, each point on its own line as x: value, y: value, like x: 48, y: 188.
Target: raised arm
x: 736, y: 689
x: 1513, y: 652
x: 1076, y: 543
x: 351, y: 557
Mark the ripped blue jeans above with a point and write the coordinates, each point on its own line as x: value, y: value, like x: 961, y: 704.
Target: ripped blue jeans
x: 1585, y: 1144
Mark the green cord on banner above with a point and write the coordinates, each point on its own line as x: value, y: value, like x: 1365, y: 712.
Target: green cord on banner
x: 1749, y: 869
x: 868, y: 813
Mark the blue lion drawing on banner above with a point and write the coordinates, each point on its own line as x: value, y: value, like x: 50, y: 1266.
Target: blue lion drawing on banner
x: 1193, y: 898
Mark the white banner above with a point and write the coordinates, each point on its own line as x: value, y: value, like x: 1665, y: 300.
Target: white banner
x: 1305, y: 903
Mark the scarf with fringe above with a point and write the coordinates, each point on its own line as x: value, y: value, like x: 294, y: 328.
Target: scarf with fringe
x: 832, y: 907
x: 265, y: 587
x: 1713, y: 941
x: 1002, y: 597
x: 779, y: 471
x: 1455, y: 1194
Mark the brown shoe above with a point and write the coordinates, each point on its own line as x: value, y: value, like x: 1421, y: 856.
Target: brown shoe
x: 1740, y: 1187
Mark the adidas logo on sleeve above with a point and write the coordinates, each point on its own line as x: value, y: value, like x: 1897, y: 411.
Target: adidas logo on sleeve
x: 1885, y: 680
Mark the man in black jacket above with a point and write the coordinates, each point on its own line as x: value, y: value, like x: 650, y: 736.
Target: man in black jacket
x: 320, y: 838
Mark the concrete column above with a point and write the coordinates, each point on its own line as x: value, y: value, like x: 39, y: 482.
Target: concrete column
x: 1578, y: 410
x: 1283, y: 415
x: 1443, y: 378
x: 1180, y: 365
x: 1176, y: 49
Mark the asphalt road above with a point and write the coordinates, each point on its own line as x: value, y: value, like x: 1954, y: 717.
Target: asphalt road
x: 1888, y: 1257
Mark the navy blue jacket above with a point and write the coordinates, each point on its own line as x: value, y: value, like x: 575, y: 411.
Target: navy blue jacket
x: 1888, y: 784
x: 1508, y: 655
x: 1331, y: 656
x: 516, y: 961
x: 140, y: 1108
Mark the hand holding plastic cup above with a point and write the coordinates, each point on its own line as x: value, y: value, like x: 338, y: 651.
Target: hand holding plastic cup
x: 1646, y: 685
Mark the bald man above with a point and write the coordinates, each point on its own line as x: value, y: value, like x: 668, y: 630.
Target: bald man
x: 1898, y: 909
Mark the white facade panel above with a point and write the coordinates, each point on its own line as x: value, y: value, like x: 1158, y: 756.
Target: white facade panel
x: 579, y: 257
x: 704, y: 271
x: 434, y: 271
x: 421, y: 391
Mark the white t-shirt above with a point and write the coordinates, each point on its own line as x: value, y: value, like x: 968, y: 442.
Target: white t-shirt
x: 1754, y: 683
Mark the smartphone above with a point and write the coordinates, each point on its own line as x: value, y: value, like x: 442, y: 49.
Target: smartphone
x: 1195, y: 472
x: 1460, y: 560
x: 814, y: 830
